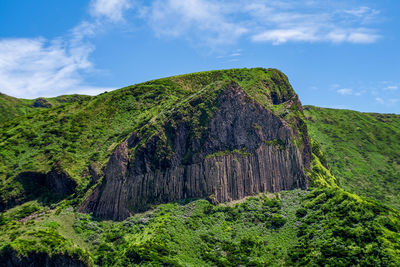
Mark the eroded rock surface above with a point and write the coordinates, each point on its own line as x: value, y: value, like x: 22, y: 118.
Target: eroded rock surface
x: 245, y: 149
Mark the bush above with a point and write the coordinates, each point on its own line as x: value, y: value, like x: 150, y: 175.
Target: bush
x: 300, y: 213
x: 277, y: 221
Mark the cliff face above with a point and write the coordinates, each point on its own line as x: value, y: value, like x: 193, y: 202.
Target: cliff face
x: 242, y: 149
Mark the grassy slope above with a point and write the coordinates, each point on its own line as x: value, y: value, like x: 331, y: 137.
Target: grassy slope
x: 78, y: 133
x: 363, y: 150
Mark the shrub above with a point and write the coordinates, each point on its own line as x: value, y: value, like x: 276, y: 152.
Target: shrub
x: 300, y: 213
x: 277, y: 220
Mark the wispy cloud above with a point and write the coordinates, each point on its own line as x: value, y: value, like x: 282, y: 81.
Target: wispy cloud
x: 193, y: 19
x: 32, y: 67
x: 380, y: 100
x: 345, y: 91
x: 276, y: 22
x: 390, y: 102
x: 391, y: 88
x: 311, y: 21
x: 109, y: 9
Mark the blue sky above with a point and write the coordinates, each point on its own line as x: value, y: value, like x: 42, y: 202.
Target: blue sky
x: 340, y: 54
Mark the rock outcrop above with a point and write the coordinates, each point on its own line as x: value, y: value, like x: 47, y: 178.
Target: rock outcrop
x: 55, y: 184
x: 243, y: 149
x: 59, y: 182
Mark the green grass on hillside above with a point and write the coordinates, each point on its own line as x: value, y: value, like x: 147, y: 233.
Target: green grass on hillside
x: 11, y: 107
x: 362, y: 149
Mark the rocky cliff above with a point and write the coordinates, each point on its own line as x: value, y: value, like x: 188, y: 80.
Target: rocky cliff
x: 235, y: 149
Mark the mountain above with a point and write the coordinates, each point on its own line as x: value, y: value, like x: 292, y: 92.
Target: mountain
x: 203, y: 169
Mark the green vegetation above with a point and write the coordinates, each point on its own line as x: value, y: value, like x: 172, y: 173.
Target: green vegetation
x: 241, y: 152
x: 362, y: 149
x: 342, y: 229
x: 11, y: 107
x: 323, y: 227
x: 277, y: 143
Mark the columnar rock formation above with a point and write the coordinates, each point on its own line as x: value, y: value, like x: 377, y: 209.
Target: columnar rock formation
x: 244, y: 149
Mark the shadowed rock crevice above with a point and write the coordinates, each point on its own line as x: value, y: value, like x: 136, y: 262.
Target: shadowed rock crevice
x: 234, y: 156
x: 45, y: 187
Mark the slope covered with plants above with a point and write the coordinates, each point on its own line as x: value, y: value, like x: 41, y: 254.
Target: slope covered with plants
x: 323, y: 227
x: 362, y: 149
x: 11, y: 107
x: 71, y: 143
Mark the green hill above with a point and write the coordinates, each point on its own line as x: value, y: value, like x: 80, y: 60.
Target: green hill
x: 54, y: 156
x: 362, y: 149
x: 76, y: 134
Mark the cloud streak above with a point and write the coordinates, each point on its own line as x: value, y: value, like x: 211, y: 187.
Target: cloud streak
x: 112, y: 10
x: 276, y: 22
x: 198, y: 19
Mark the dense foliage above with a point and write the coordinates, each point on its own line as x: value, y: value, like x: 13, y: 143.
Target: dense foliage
x: 320, y: 227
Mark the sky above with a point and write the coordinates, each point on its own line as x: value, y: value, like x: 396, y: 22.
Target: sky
x: 338, y: 54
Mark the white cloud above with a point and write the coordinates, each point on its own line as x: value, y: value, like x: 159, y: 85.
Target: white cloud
x: 201, y: 19
x: 280, y: 36
x: 319, y: 22
x: 365, y: 14
x: 388, y: 101
x: 391, y: 88
x: 110, y: 9
x: 32, y: 67
x: 277, y: 22
x: 345, y: 91
x: 362, y: 37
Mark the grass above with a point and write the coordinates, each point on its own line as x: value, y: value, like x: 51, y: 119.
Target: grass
x: 362, y: 149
